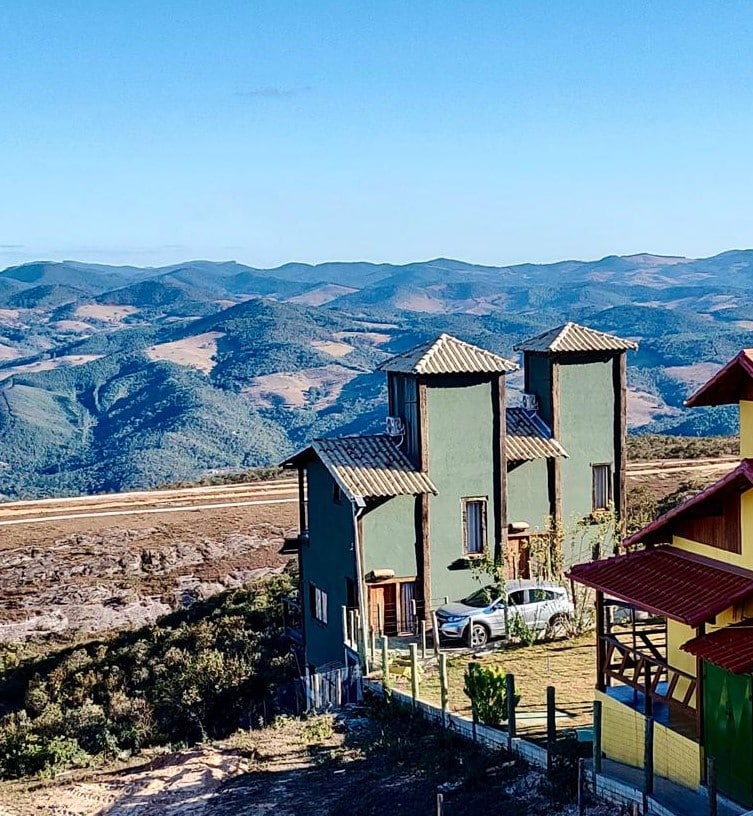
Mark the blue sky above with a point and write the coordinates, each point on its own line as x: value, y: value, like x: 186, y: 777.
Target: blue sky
x: 495, y: 132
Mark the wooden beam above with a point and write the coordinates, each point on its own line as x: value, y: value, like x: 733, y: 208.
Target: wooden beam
x: 619, y: 382
x: 423, y: 426
x: 302, y: 521
x: 499, y: 467
x: 600, y: 651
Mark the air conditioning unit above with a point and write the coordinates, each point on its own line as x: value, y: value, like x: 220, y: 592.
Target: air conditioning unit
x: 530, y: 403
x: 394, y: 426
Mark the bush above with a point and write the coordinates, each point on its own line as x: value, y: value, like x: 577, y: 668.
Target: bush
x: 486, y: 688
x: 192, y: 676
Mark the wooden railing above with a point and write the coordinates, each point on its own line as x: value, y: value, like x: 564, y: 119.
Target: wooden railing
x: 645, y: 672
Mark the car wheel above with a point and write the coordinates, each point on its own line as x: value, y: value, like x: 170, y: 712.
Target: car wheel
x: 558, y: 626
x: 479, y: 635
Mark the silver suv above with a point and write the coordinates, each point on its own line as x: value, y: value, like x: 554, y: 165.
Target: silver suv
x: 542, y: 606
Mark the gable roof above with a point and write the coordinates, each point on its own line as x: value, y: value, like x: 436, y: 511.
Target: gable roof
x: 366, y: 467
x: 447, y: 355
x: 669, y: 582
x: 729, y: 385
x: 572, y: 338
x: 737, y: 481
x: 529, y: 437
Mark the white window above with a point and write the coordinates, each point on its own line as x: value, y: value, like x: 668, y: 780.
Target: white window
x: 602, y: 486
x: 474, y: 526
x: 318, y: 601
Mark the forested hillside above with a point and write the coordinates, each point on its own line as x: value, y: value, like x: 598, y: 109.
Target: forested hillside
x: 120, y: 377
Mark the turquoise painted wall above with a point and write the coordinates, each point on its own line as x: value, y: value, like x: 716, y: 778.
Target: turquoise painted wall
x: 528, y: 494
x: 389, y: 537
x: 327, y: 561
x: 460, y: 422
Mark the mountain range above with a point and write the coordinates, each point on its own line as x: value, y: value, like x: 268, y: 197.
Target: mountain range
x: 124, y: 377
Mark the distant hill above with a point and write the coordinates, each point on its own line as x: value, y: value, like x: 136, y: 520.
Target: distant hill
x: 121, y: 377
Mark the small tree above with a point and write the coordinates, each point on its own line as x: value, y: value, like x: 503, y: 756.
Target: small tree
x: 486, y: 688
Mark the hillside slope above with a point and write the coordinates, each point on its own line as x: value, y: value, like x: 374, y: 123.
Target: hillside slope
x: 119, y: 377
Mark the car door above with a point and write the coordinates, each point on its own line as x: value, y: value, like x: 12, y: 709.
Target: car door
x: 496, y: 617
x: 516, y: 604
x: 540, y: 607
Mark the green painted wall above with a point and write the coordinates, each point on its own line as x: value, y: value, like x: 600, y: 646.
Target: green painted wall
x: 587, y: 404
x: 389, y: 537
x: 460, y: 421
x: 528, y: 494
x: 327, y: 561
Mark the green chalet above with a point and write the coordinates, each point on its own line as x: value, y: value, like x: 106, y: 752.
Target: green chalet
x: 390, y: 524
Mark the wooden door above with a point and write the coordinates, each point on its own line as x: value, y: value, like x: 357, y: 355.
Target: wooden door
x: 383, y: 611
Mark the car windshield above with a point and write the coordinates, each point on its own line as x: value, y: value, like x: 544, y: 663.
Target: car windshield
x: 482, y: 597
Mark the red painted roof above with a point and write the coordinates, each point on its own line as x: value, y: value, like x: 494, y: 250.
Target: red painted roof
x: 730, y: 648
x: 660, y: 530
x: 729, y: 385
x: 669, y: 582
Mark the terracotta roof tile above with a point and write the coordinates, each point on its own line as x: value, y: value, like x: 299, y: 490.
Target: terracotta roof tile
x: 730, y: 648
x: 448, y: 355
x: 570, y: 337
x: 669, y: 582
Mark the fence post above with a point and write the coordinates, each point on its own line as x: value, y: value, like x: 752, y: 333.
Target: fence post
x: 711, y: 784
x: 443, y: 687
x: 551, y: 728
x: 648, y: 761
x: 597, y: 738
x: 440, y: 804
x: 346, y: 632
x: 385, y: 662
x: 435, y: 633
x: 372, y: 647
x: 423, y: 640
x: 581, y: 792
x: 414, y: 673
x: 474, y: 715
x: 511, y: 724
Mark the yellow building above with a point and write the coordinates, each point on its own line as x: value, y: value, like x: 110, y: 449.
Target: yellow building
x: 675, y: 624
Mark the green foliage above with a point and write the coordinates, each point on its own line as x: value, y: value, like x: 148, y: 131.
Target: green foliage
x: 195, y: 675
x: 486, y: 688
x: 654, y: 446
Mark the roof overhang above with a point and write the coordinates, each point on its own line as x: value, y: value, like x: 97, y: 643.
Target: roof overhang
x: 669, y: 582
x: 732, y: 383
x: 730, y: 648
x: 658, y: 531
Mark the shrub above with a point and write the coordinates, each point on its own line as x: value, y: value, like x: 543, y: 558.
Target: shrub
x: 486, y: 688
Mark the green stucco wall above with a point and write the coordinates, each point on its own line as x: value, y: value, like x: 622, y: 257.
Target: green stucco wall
x: 587, y: 405
x: 389, y: 537
x: 326, y: 561
x: 461, y: 424
x: 528, y: 494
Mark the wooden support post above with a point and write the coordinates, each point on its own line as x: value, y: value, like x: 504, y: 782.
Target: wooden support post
x: 414, y: 673
x: 385, y: 663
x: 551, y: 728
x: 511, y: 724
x: 711, y: 785
x: 372, y: 647
x: 648, y: 759
x: 380, y: 619
x: 435, y: 633
x: 597, y: 740
x: 444, y: 687
x: 423, y: 640
x: 601, y: 682
x: 474, y: 713
x: 648, y: 702
x: 581, y: 786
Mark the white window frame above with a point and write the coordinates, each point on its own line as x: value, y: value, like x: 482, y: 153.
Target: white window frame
x: 482, y: 502
x: 319, y: 603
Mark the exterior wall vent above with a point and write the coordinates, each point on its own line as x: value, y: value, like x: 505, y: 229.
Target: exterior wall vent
x: 530, y: 403
x: 394, y: 426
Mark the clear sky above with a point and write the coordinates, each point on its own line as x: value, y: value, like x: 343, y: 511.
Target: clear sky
x: 270, y: 131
